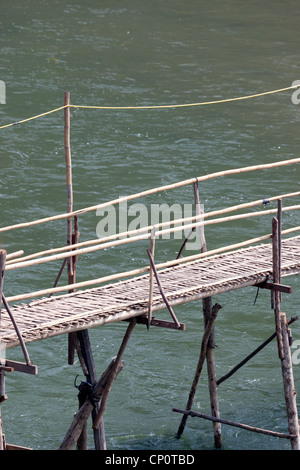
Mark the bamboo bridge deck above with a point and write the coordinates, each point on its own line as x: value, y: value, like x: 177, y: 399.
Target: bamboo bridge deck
x: 123, y: 300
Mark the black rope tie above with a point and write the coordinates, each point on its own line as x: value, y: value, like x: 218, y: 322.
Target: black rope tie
x: 261, y: 284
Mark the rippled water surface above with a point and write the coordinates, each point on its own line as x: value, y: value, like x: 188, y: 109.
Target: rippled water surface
x: 138, y: 53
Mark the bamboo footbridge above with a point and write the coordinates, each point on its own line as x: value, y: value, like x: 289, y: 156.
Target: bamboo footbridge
x: 126, y: 299
x: 134, y: 296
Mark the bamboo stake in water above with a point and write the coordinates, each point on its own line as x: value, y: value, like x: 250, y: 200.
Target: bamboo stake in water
x: 2, y: 376
x: 152, y: 248
x: 68, y: 173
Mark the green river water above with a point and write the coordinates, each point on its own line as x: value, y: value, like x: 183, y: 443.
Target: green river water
x: 138, y: 53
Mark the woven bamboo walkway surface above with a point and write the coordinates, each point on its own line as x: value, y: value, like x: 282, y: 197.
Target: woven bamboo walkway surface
x: 122, y: 300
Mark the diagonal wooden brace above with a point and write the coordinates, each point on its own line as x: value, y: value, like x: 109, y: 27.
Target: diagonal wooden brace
x: 161, y: 290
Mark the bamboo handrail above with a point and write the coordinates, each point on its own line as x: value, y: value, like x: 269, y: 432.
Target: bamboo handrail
x: 144, y: 270
x: 102, y: 246
x: 153, y: 191
x: 150, y: 227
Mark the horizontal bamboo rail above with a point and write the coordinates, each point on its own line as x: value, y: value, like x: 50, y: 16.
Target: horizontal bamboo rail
x: 150, y: 227
x: 153, y: 191
x: 146, y: 269
x: 158, y: 233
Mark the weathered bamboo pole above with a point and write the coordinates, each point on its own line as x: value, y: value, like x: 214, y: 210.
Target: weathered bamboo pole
x: 251, y: 355
x: 288, y: 384
x: 161, y: 289
x: 134, y: 272
x: 283, y: 343
x: 130, y: 233
x: 276, y: 279
x: 68, y: 170
x: 210, y: 353
x: 82, y: 415
x: 84, y: 350
x: 233, y: 423
x: 201, y: 360
x: 152, y: 249
x: 147, y: 236
x: 2, y: 376
x: 113, y: 374
x: 155, y: 190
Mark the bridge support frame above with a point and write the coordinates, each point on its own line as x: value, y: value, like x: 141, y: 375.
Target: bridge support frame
x: 284, y: 342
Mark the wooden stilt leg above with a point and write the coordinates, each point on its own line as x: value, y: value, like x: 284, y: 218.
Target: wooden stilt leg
x: 284, y: 345
x: 85, y: 347
x: 201, y: 360
x: 211, y: 372
x: 2, y: 376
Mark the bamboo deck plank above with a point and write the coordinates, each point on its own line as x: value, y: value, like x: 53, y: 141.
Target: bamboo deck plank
x: 125, y: 299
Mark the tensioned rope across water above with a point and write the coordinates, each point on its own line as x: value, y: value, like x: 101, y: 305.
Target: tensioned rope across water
x: 227, y: 100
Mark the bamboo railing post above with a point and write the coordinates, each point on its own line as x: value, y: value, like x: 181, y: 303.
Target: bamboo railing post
x: 210, y: 353
x: 288, y: 384
x: 90, y: 371
x: 283, y: 342
x: 152, y: 249
x: 2, y: 375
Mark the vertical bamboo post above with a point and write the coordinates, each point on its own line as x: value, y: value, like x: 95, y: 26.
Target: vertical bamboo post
x: 276, y: 280
x: 68, y: 169
x: 2, y: 376
x: 288, y: 385
x: 210, y: 352
x: 152, y: 248
x: 67, y: 142
x: 91, y: 375
x: 283, y: 343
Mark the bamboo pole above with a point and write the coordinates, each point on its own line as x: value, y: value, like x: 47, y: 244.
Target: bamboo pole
x: 153, y: 191
x: 210, y: 354
x: 161, y: 290
x: 149, y: 227
x: 152, y: 249
x: 289, y: 387
x: 82, y: 415
x: 201, y: 360
x: 251, y: 355
x: 276, y: 280
x: 113, y: 374
x: 68, y: 171
x: 2, y: 375
x: 89, y: 369
x: 102, y: 246
x: 144, y: 270
x: 15, y: 254
x: 283, y: 341
x: 232, y: 423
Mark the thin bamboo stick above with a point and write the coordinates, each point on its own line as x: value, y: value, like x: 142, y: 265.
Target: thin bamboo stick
x: 288, y: 385
x: 68, y: 175
x: 152, y: 249
x: 144, y: 270
x: 2, y: 375
x: 82, y: 415
x: 155, y: 190
x: 161, y: 290
x: 102, y: 246
x: 232, y: 423
x: 205, y: 339
x: 149, y: 227
x: 276, y: 280
x: 113, y: 373
x: 251, y: 355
